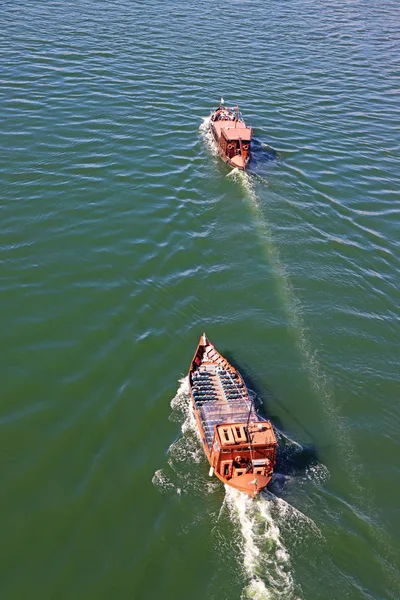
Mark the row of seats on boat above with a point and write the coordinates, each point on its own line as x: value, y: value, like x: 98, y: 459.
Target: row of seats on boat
x: 225, y: 373
x: 232, y: 388
x: 211, y: 391
x: 205, y: 386
x: 229, y: 395
x: 230, y: 381
x: 232, y: 399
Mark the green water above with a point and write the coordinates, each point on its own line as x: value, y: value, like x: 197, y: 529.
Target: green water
x: 123, y: 238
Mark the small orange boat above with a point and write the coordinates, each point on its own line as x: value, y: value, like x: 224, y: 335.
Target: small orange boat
x: 239, y: 443
x: 231, y: 136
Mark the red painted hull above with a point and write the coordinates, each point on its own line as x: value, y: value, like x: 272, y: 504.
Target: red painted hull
x: 231, y: 136
x: 239, y: 443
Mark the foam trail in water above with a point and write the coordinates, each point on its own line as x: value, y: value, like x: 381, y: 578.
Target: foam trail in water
x: 233, y: 173
x: 186, y: 448
x: 265, y: 559
x: 180, y: 402
x: 185, y: 452
x: 162, y: 481
x: 317, y: 378
x: 207, y: 135
x: 262, y: 521
x: 291, y: 459
x: 288, y: 439
x: 290, y: 518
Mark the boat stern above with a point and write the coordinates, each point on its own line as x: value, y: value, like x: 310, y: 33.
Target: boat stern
x: 249, y: 483
x: 238, y: 161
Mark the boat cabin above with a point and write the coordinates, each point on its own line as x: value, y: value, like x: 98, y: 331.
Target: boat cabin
x: 240, y: 447
x: 233, y: 138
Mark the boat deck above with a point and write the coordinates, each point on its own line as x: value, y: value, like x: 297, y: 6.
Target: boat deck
x: 221, y: 397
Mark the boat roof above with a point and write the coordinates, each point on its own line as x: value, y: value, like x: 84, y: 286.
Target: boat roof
x: 232, y: 130
x: 235, y: 134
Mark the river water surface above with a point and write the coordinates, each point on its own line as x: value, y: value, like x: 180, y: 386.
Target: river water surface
x: 123, y: 237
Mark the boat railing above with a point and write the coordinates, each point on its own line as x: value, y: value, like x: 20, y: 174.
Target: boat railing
x: 217, y: 413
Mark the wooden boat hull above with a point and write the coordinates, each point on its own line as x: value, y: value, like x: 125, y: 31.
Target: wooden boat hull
x: 248, y: 484
x: 239, y: 442
x: 231, y: 136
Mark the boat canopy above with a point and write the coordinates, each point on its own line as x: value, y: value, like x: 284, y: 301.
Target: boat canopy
x: 237, y: 133
x: 233, y: 130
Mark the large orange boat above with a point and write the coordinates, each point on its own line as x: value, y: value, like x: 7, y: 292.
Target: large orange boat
x: 231, y: 136
x: 239, y: 443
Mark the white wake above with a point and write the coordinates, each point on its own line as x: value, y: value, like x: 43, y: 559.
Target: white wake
x: 266, y: 560
x: 206, y: 134
x: 317, y: 378
x: 185, y: 453
x: 260, y: 525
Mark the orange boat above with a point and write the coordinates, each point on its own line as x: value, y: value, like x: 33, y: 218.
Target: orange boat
x: 231, y: 136
x: 239, y: 443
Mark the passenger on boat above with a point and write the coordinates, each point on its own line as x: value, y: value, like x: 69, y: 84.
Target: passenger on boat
x: 224, y: 115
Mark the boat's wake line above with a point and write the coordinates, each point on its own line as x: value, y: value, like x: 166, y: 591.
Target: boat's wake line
x: 317, y: 378
x: 185, y: 452
x: 266, y: 561
x: 207, y: 136
x: 263, y: 523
